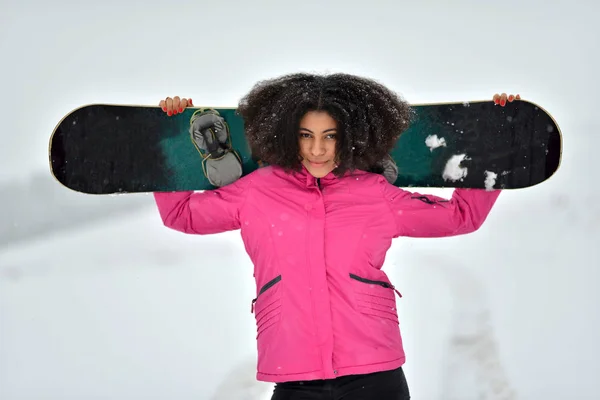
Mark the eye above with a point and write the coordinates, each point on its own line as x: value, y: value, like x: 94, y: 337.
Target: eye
x: 331, y: 136
x: 305, y: 135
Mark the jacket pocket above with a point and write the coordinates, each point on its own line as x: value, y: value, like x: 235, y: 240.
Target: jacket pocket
x: 267, y: 306
x: 376, y: 298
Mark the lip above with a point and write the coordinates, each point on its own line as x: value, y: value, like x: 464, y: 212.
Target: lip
x: 317, y: 164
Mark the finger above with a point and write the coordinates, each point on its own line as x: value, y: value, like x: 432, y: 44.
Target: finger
x: 162, y: 105
x: 176, y: 104
x: 169, y: 106
x: 184, y: 104
x: 503, y: 99
x: 511, y: 97
x: 496, y: 98
x: 518, y: 97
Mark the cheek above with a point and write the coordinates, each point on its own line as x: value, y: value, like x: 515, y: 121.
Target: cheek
x: 302, y: 148
x: 331, y: 148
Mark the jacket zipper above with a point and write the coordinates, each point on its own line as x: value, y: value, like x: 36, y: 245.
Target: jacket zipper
x: 265, y: 287
x: 425, y: 199
x: 319, y: 183
x: 380, y: 283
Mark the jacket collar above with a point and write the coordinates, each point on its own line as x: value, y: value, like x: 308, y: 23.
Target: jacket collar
x: 308, y: 180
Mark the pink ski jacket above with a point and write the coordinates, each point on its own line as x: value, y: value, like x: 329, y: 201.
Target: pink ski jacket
x: 323, y: 306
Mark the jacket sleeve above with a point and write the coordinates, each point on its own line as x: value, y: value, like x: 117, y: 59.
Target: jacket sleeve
x: 418, y: 215
x: 206, y: 212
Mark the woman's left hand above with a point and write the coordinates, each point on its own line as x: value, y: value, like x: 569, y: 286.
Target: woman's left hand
x: 502, y: 98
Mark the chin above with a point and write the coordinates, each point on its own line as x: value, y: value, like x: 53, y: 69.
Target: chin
x: 318, y: 172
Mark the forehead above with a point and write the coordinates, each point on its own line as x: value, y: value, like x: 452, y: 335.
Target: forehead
x: 318, y: 118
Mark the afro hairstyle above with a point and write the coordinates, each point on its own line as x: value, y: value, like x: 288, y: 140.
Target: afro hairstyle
x: 370, y: 118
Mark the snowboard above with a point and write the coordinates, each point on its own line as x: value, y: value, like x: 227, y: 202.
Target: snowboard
x: 107, y: 149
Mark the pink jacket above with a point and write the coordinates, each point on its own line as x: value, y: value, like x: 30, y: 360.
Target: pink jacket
x: 323, y: 306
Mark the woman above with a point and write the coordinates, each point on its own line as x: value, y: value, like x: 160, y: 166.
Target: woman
x: 317, y: 225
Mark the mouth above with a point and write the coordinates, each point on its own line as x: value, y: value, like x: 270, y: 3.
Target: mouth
x: 317, y: 163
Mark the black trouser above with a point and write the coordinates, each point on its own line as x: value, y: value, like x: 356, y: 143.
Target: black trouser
x: 387, y: 385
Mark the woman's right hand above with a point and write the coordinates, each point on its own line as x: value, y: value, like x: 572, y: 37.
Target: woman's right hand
x: 175, y: 105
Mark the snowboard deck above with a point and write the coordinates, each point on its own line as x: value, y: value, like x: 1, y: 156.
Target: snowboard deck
x: 119, y: 148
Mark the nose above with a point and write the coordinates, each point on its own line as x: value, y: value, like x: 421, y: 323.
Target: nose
x: 317, y: 148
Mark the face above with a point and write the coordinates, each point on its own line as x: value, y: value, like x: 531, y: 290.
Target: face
x: 317, y: 139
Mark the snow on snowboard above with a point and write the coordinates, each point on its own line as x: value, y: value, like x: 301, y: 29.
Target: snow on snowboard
x: 111, y: 148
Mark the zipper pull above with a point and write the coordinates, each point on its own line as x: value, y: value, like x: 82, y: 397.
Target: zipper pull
x: 252, y: 306
x: 389, y: 285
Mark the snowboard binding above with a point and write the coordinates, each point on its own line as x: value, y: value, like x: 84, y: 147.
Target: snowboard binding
x: 210, y: 135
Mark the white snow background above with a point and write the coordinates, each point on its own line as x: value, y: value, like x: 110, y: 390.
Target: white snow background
x: 99, y: 301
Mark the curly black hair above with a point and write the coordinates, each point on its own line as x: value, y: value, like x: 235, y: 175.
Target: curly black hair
x: 370, y: 118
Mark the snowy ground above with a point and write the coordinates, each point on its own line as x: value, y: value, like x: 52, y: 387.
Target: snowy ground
x: 99, y: 301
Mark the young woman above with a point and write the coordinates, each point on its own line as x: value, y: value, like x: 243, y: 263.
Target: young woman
x: 317, y: 225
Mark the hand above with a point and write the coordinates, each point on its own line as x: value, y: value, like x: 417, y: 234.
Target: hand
x: 501, y: 98
x: 175, y: 105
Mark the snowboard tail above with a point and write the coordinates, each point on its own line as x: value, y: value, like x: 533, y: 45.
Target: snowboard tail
x: 111, y: 148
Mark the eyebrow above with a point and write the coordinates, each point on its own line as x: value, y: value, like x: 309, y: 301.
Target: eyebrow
x: 326, y: 130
